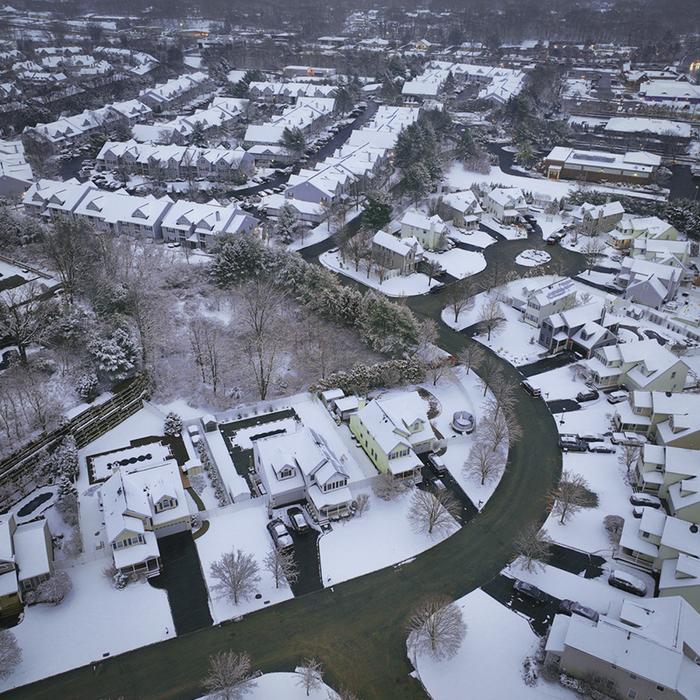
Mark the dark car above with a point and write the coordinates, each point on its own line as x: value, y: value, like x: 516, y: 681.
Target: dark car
x: 627, y: 582
x: 571, y: 607
x: 648, y: 500
x: 572, y: 443
x: 587, y: 395
x: 533, y: 391
x: 527, y: 590
x: 601, y: 447
x: 297, y: 520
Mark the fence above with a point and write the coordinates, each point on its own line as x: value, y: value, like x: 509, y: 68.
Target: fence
x: 85, y: 427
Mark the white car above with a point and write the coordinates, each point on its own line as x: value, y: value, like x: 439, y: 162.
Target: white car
x: 617, y: 396
x: 633, y: 439
x: 437, y: 462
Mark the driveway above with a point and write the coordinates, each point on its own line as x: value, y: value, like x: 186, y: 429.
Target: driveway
x: 183, y: 581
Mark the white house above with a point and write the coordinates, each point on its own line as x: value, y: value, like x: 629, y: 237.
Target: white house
x: 51, y: 198
x: 301, y: 465
x: 462, y: 208
x: 630, y: 228
x: 648, y: 283
x: 505, y: 204
x: 595, y: 219
x: 397, y: 255
x: 549, y: 299
x: 429, y: 231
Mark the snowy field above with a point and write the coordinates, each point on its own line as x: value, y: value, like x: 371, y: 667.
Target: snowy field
x: 489, y: 661
x: 458, y: 263
x: 380, y: 537
x: 242, y: 526
x: 94, y: 620
x: 559, y: 383
x: 475, y: 237
x: 510, y: 233
x: 398, y: 286
x: 284, y: 686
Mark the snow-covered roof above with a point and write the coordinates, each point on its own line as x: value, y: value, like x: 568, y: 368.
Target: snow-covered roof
x: 400, y: 246
x: 32, y: 552
x: 644, y: 125
x: 417, y: 219
x: 463, y: 202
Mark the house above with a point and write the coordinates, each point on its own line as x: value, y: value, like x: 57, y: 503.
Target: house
x: 648, y: 283
x: 672, y: 93
x: 462, y: 208
x: 592, y: 166
x: 580, y: 329
x: 593, y: 220
x: 660, y: 468
x: 396, y: 255
x: 506, y: 205
x: 638, y: 365
x: 392, y: 431
x: 15, y: 172
x: 429, y: 231
x: 139, y: 505
x: 647, y: 649
x: 671, y: 418
x: 630, y: 228
x: 175, y: 91
x: 52, y: 198
x: 664, y: 251
x: 549, y: 299
x: 301, y: 465
x: 26, y: 561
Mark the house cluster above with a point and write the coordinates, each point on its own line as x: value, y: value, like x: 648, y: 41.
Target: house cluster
x: 191, y: 224
x: 363, y: 157
x: 274, y: 92
x: 26, y: 560
x: 174, y: 162
x: 636, y: 167
x: 77, y: 129
x: 496, y: 84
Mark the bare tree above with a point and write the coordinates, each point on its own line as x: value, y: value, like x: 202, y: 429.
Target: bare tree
x: 362, y: 504
x: 282, y: 565
x: 357, y: 248
x: 472, y: 355
x: 534, y: 546
x: 10, y: 653
x: 500, y: 430
x: 502, y: 400
x: 432, y: 269
x: 229, y: 676
x: 570, y: 495
x: 25, y: 316
x: 483, y: 463
x: 491, y: 316
x: 488, y: 369
x: 65, y: 245
x: 629, y: 456
x: 236, y: 574
x: 263, y: 303
x: 206, y: 340
x: 310, y: 675
x: 433, y: 512
x: 613, y: 525
x: 387, y: 487
x: 436, y: 627
x: 592, y: 249
x: 460, y: 297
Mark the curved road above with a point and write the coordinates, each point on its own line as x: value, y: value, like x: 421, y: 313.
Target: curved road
x: 357, y: 629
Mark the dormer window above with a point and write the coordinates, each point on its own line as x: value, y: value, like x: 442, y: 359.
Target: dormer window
x: 286, y: 472
x: 165, y: 504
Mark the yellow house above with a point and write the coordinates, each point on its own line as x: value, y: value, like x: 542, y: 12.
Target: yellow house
x: 391, y: 431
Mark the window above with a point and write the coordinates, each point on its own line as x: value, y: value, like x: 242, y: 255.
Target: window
x: 660, y: 687
x: 632, y: 693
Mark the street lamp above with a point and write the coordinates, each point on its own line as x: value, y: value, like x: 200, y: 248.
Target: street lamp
x: 561, y: 420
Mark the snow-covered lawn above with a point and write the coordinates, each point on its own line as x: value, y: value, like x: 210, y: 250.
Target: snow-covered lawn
x: 398, y: 286
x: 459, y: 263
x: 594, y: 277
x: 559, y: 383
x: 94, y: 620
x: 284, y: 686
x: 549, y: 223
x: 489, y: 661
x: 242, y: 526
x: 475, y: 237
x: 322, y: 231
x: 533, y: 258
x: 584, y: 530
x: 380, y: 537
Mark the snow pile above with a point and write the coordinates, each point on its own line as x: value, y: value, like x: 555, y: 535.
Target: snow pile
x: 284, y: 685
x: 533, y: 258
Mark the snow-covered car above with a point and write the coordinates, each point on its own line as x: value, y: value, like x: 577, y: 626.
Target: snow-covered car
x: 297, y: 519
x: 633, y: 439
x: 591, y: 395
x: 600, y: 447
x: 533, y: 391
x: 571, y: 607
x: 193, y: 432
x: 527, y: 590
x: 627, y: 582
x: 437, y: 462
x: 280, y: 534
x: 572, y: 443
x: 617, y: 396
x: 463, y: 422
x: 648, y: 500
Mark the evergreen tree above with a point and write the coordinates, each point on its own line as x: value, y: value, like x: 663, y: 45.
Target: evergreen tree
x: 293, y: 140
x: 377, y: 212
x: 287, y: 224
x: 64, y: 459
x: 172, y: 425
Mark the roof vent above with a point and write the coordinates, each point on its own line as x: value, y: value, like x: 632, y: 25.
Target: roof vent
x: 694, y: 528
x: 668, y: 393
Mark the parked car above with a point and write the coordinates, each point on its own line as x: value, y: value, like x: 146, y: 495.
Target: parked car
x: 648, y: 500
x: 571, y: 607
x: 587, y: 395
x: 280, y: 534
x: 600, y: 447
x: 638, y: 512
x: 628, y: 439
x: 527, y: 590
x: 437, y: 462
x: 533, y: 391
x: 627, y: 582
x: 439, y: 485
x: 297, y: 519
x: 617, y: 396
x: 463, y: 422
x: 572, y: 443
x: 590, y: 437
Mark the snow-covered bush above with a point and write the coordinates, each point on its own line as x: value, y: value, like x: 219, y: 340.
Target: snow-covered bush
x: 386, y: 487
x: 64, y: 459
x: 172, y: 425
x: 86, y: 386
x: 362, y: 378
x: 51, y: 591
x: 67, y: 506
x: 116, y: 355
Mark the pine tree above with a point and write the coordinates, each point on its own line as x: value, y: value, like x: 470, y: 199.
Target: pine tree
x: 172, y: 425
